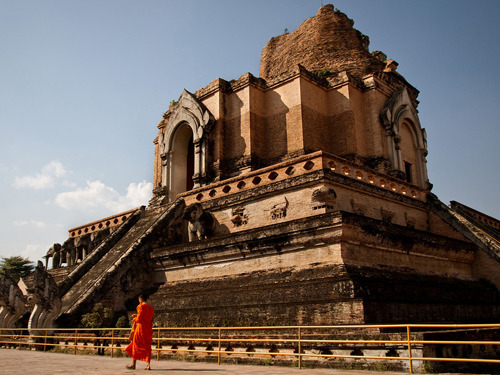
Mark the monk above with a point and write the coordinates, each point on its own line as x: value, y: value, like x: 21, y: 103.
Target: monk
x: 140, y: 347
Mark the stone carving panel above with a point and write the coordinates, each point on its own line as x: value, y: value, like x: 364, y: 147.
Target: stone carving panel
x: 358, y: 208
x: 239, y: 216
x: 279, y: 210
x: 323, y: 198
x: 387, y: 215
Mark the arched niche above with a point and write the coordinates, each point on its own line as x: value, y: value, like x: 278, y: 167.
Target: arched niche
x: 182, y: 166
x: 183, y: 146
x: 407, y: 145
x: 406, y: 140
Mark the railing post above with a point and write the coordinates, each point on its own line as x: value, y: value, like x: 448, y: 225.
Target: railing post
x: 409, y: 348
x: 45, y: 340
x: 218, y: 354
x: 300, y: 349
x: 112, y: 341
x: 76, y: 339
x: 158, y: 345
x: 20, y: 339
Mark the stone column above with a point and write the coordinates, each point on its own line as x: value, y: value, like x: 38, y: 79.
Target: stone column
x: 197, y: 163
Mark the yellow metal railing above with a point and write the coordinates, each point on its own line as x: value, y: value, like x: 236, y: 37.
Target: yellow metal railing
x: 295, y: 342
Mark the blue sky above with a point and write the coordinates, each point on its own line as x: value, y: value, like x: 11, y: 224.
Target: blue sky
x: 84, y: 83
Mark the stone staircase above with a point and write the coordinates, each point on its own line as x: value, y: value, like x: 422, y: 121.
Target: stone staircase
x: 488, y: 242
x: 78, y: 271
x: 114, y: 261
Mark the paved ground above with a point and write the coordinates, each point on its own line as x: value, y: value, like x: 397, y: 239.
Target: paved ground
x: 17, y: 362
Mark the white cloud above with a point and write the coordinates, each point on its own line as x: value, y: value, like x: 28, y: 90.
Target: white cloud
x: 45, y: 179
x: 137, y: 194
x: 38, y: 224
x: 34, y: 252
x: 22, y: 223
x: 96, y: 195
x: 69, y: 184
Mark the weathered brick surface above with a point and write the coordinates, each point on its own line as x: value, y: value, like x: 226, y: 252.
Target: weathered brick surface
x: 331, y: 268
x: 327, y: 40
x: 326, y: 295
x: 311, y: 296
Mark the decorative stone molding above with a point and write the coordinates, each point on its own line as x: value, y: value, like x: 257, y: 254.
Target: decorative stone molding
x: 398, y: 110
x: 107, y: 222
x: 191, y: 112
x: 301, y: 165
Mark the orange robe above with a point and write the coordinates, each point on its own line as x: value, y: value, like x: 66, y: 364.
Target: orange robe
x: 140, y: 347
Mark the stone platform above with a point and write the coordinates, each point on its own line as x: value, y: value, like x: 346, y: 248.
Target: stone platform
x: 17, y: 362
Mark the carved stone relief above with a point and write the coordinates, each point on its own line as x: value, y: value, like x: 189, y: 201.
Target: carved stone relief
x: 55, y: 253
x: 358, y: 208
x: 410, y: 221
x: 239, y: 216
x: 323, y: 198
x: 200, y: 223
x: 387, y: 215
x: 13, y: 304
x: 74, y: 250
x: 278, y: 210
x: 44, y: 294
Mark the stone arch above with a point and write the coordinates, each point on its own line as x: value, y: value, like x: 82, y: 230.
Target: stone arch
x: 182, y: 154
x: 405, y: 139
x: 189, y: 118
x: 407, y: 146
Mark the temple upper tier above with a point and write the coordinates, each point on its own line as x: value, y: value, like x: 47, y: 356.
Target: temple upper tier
x: 320, y: 90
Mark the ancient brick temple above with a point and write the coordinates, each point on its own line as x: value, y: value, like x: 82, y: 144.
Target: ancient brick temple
x: 297, y: 197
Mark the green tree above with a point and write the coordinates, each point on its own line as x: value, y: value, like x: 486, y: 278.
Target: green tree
x: 100, y: 317
x: 16, y: 266
x: 122, y: 322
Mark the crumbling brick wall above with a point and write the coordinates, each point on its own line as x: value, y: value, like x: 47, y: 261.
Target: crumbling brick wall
x: 326, y: 41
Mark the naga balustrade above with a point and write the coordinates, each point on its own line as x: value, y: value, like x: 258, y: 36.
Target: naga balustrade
x: 404, y: 341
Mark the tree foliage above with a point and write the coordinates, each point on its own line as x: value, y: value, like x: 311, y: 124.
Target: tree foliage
x: 100, y: 317
x: 16, y: 266
x: 122, y: 322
